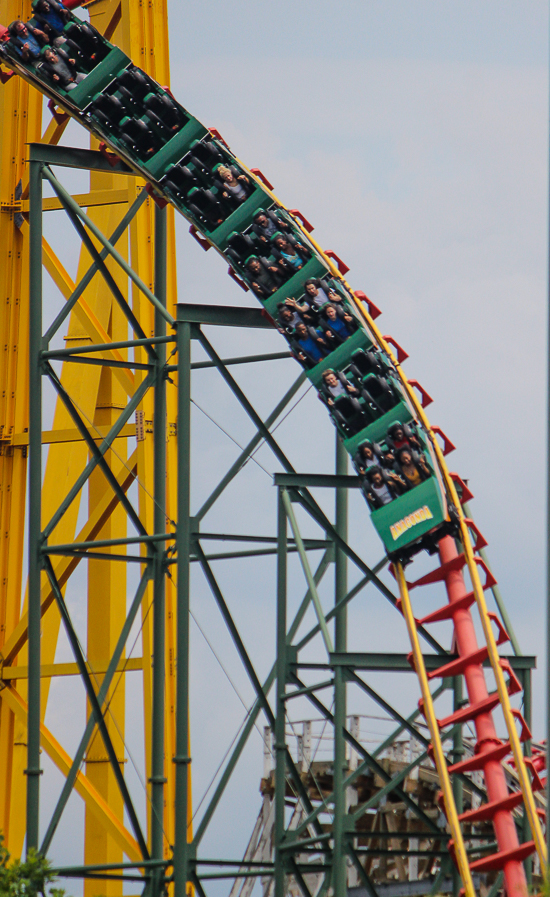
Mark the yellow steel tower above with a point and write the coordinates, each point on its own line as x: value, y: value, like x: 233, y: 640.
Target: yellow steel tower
x: 141, y: 30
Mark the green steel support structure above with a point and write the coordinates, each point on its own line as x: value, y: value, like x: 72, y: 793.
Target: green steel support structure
x: 159, y: 524
x: 327, y: 840
x: 35, y: 502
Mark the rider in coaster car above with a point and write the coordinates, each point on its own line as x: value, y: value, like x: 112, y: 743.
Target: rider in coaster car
x: 264, y: 279
x: 27, y: 40
x: 367, y: 456
x: 400, y: 436
x: 335, y: 385
x: 291, y: 257
x: 383, y: 486
x: 389, y: 460
x: 288, y: 319
x: 53, y: 17
x: 61, y: 68
x: 316, y: 293
x: 413, y: 467
x: 300, y: 311
x: 234, y: 185
x: 337, y: 324
x: 266, y: 225
x: 309, y: 345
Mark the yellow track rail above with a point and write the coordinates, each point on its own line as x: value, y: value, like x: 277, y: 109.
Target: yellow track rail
x: 452, y: 497
x: 431, y: 719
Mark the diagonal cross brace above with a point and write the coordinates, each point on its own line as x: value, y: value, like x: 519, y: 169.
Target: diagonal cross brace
x: 71, y: 776
x: 89, y: 275
x: 104, y: 271
x: 67, y: 200
x: 96, y: 708
x: 98, y: 452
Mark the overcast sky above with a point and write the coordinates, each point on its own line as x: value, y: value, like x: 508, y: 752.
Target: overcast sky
x: 413, y: 135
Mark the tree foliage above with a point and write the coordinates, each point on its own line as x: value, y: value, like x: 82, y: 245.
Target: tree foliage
x: 26, y: 878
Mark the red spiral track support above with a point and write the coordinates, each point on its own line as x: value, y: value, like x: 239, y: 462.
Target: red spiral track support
x: 487, y: 739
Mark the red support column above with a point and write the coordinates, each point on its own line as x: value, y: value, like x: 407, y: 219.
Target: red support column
x: 495, y: 779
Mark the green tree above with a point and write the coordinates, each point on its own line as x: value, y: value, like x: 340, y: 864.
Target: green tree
x: 26, y: 878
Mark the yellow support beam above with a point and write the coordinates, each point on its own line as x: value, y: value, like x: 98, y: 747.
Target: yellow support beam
x: 141, y: 30
x: 94, y: 801
x: 50, y: 437
x: 85, y: 200
x: 49, y: 671
x: 65, y: 566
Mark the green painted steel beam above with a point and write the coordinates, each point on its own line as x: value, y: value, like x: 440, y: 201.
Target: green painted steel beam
x: 70, y: 204
x: 253, y: 714
x: 106, y: 867
x: 307, y: 571
x: 99, y: 555
x: 106, y: 543
x: 235, y: 636
x: 316, y: 480
x: 71, y: 157
x: 258, y: 552
x: 223, y: 315
x: 92, y: 270
x: 280, y: 712
x: 389, y: 709
x: 319, y: 686
x: 160, y: 523
x: 103, y: 448
x: 374, y: 765
x: 345, y: 600
x: 106, y: 347
x: 317, y: 514
x: 385, y: 662
x: 96, y: 708
x: 97, y: 452
x: 35, y: 561
x: 80, y: 753
x: 241, y: 359
x: 183, y: 850
x: 234, y: 537
x: 77, y: 216
x: 339, y: 862
x: 249, y: 448
x: 109, y: 363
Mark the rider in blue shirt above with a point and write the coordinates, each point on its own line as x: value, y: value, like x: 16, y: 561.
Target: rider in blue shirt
x: 52, y: 14
x: 338, y: 326
x: 310, y: 344
x: 26, y: 40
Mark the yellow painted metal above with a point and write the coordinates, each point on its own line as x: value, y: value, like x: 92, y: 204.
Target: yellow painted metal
x: 65, y: 566
x: 92, y: 798
x: 72, y: 435
x: 141, y: 30
x: 88, y: 200
x: 20, y: 120
x: 71, y: 669
x: 431, y: 720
